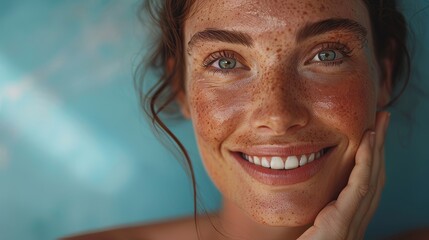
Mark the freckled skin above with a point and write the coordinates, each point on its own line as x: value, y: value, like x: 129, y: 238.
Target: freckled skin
x: 279, y: 99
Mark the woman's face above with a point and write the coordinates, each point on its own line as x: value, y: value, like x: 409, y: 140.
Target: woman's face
x: 280, y: 94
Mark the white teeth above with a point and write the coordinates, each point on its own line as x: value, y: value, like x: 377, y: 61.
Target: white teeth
x: 277, y: 163
x: 265, y: 162
x: 303, y: 160
x: 311, y: 158
x: 291, y: 162
x: 256, y: 160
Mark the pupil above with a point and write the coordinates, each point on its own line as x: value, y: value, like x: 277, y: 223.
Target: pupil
x: 327, y: 55
x: 227, y: 63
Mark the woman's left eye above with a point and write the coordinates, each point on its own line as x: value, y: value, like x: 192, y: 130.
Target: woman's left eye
x: 225, y: 63
x: 328, y: 56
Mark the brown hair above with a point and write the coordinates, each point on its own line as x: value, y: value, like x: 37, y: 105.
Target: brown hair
x: 388, y: 28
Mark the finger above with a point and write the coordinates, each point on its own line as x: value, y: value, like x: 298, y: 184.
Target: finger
x: 377, y: 170
x: 350, y: 198
x: 381, y: 127
x: 354, y: 203
x: 358, y: 187
x: 338, y: 216
x: 374, y: 202
x: 378, y: 175
x: 376, y: 182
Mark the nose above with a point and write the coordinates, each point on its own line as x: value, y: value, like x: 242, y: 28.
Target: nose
x: 280, y: 108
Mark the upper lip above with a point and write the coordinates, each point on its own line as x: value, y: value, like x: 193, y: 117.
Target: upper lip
x: 282, y: 150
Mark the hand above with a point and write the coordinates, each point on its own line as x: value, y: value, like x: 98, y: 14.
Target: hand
x: 349, y: 215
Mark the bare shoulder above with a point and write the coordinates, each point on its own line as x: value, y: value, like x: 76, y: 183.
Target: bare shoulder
x: 181, y: 228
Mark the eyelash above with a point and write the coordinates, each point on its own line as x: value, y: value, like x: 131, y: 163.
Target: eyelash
x: 215, y: 56
x: 218, y: 55
x: 334, y: 46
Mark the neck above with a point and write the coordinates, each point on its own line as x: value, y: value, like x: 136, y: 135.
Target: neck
x: 232, y: 223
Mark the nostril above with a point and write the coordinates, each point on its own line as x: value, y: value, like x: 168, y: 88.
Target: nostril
x: 280, y: 126
x: 272, y: 130
x: 280, y: 121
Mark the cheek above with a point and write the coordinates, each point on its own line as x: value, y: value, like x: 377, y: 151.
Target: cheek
x: 349, y: 106
x: 215, y: 111
x: 216, y: 114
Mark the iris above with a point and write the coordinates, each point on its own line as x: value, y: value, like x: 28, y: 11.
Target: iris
x: 327, y: 55
x: 227, y: 63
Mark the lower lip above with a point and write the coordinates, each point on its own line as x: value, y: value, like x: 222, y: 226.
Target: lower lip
x: 274, y: 177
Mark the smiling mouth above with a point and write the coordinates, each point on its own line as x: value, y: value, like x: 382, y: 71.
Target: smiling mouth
x: 285, y: 162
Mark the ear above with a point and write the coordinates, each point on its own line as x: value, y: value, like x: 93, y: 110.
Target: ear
x: 385, y: 84
x: 386, y: 76
x: 181, y: 97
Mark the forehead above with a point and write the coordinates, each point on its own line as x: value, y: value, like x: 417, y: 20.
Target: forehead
x: 257, y: 17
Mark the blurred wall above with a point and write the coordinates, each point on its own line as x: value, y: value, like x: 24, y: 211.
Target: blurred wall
x: 76, y: 153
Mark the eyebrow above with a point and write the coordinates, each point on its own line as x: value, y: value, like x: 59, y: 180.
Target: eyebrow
x: 308, y: 31
x: 332, y: 24
x: 218, y: 35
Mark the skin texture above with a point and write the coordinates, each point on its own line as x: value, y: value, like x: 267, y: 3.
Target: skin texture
x: 278, y: 96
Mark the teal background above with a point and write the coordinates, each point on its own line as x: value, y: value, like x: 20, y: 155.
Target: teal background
x: 76, y: 153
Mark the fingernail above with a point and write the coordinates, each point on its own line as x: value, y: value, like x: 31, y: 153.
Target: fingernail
x: 372, y: 139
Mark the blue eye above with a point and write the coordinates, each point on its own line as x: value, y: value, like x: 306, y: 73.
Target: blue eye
x: 226, y: 63
x: 328, y: 56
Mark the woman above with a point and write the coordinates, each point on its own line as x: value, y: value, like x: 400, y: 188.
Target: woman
x: 286, y: 99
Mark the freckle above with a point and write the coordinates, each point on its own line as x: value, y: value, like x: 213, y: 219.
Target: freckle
x: 268, y: 49
x: 322, y: 8
x: 279, y: 50
x: 304, y: 13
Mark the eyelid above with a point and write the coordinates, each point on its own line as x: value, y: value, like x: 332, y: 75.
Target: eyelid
x: 334, y: 46
x: 213, y: 57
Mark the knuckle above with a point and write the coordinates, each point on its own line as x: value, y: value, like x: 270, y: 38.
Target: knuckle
x: 372, y: 189
x: 365, y: 189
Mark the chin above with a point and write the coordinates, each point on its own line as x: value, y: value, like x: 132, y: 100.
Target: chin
x: 282, y: 220
x: 295, y: 208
